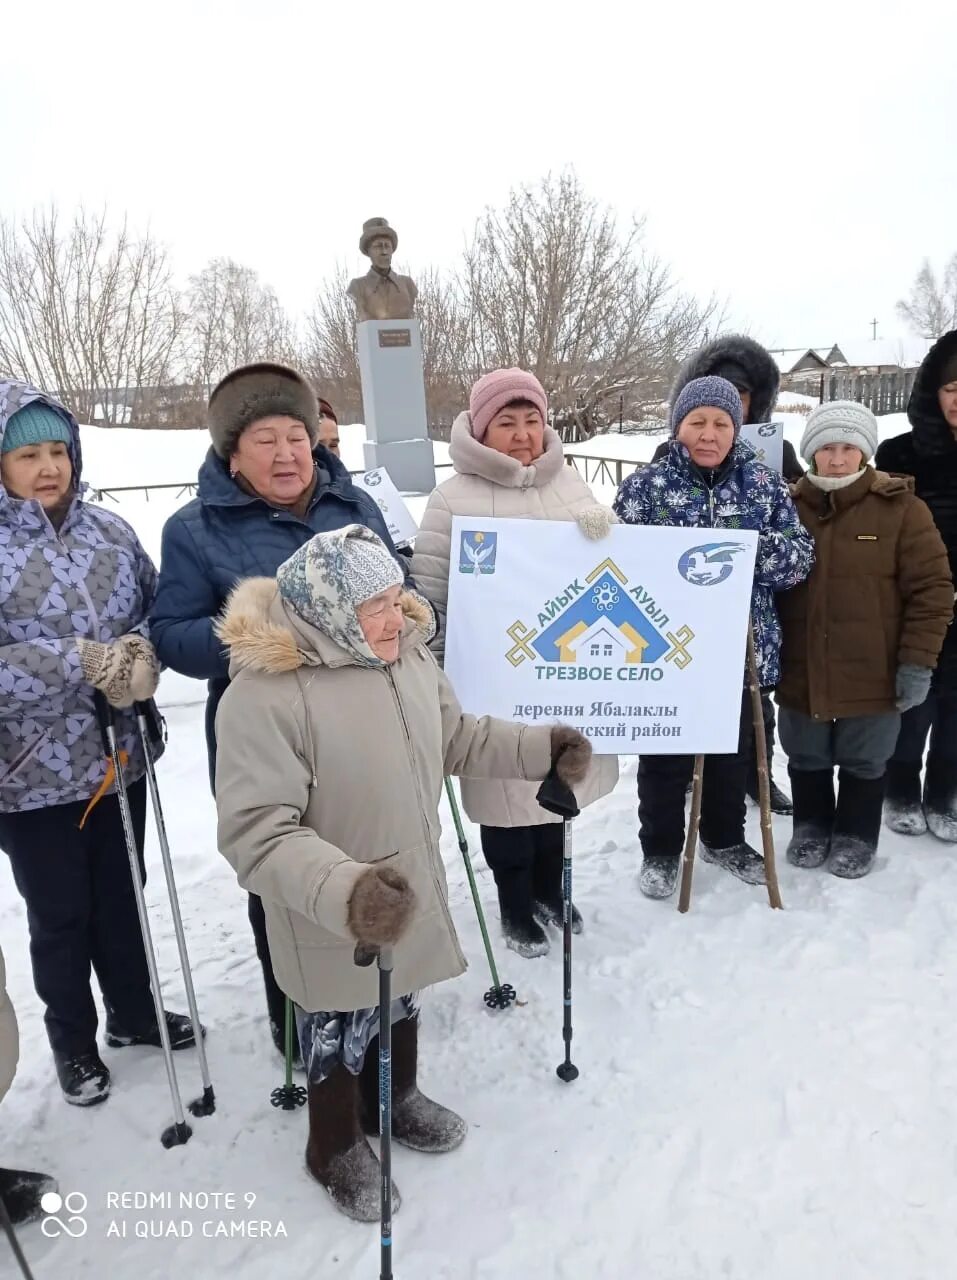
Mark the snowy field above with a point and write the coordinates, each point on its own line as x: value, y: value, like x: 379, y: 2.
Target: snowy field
x: 763, y: 1095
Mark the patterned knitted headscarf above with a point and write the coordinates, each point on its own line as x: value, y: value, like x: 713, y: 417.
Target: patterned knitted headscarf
x: 333, y: 573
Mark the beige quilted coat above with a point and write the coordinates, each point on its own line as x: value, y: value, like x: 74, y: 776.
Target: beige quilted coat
x: 486, y: 484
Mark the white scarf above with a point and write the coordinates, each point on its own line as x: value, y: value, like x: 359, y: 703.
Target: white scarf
x: 830, y: 483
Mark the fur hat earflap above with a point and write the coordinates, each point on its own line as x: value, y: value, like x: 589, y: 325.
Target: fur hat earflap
x: 257, y: 391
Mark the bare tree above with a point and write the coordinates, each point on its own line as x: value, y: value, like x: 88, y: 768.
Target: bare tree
x: 328, y: 355
x: 551, y: 285
x: 234, y: 319
x: 87, y: 313
x: 931, y: 309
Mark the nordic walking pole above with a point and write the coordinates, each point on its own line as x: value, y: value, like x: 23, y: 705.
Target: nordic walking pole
x: 691, y: 840
x: 385, y: 1109
x: 363, y: 956
x: 206, y: 1105
x: 764, y: 785
x: 289, y: 1096
x: 557, y: 797
x: 178, y: 1133
x: 499, y: 996
x: 14, y: 1242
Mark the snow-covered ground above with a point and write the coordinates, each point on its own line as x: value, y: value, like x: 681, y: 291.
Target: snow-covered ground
x: 763, y: 1095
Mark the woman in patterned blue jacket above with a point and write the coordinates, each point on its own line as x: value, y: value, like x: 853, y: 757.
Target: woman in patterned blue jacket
x: 711, y: 478
x: 75, y: 585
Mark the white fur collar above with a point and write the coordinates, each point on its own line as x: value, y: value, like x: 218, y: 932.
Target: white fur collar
x: 470, y: 458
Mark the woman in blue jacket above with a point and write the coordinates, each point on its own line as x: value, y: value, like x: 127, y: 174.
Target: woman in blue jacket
x: 266, y: 487
x: 711, y: 478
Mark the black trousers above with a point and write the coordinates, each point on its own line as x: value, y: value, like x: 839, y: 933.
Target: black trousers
x: 516, y: 848
x: 275, y: 999
x: 81, y: 912
x: 750, y: 744
x: 663, y: 784
x: 936, y: 716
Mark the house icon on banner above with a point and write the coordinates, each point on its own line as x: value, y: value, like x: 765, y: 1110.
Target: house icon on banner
x: 603, y: 624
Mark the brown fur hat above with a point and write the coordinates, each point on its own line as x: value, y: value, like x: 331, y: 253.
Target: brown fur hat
x: 259, y: 391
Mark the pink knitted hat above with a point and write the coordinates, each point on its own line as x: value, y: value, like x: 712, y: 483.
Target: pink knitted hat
x: 497, y: 389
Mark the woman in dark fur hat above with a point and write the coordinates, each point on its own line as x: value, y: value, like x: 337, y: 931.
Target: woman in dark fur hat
x: 267, y: 486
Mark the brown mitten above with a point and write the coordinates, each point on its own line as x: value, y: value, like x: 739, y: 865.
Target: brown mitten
x: 380, y: 907
x: 571, y: 754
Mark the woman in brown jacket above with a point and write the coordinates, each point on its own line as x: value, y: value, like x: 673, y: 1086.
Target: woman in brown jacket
x: 334, y: 737
x: 861, y: 637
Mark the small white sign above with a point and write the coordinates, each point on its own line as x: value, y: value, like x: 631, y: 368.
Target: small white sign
x: 387, y: 498
x: 767, y: 441
x: 638, y: 640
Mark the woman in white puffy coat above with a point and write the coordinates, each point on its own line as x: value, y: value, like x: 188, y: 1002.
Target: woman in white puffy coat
x: 510, y: 464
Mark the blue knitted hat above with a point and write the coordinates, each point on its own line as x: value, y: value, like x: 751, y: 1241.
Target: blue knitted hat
x: 717, y: 393
x: 33, y: 424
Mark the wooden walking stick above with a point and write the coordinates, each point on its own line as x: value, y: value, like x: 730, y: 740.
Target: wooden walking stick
x: 691, y: 841
x: 764, y: 781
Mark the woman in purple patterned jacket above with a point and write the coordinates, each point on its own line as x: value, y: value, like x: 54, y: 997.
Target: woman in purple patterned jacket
x: 75, y: 587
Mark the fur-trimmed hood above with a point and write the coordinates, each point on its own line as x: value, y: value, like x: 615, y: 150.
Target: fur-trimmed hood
x: 470, y: 457
x: 763, y: 373
x: 265, y: 634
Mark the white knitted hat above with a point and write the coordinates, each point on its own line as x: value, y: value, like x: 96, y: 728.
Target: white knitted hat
x: 368, y: 569
x: 840, y: 422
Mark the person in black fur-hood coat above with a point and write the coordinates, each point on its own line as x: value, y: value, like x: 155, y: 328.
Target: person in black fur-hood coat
x: 928, y: 453
x: 752, y: 370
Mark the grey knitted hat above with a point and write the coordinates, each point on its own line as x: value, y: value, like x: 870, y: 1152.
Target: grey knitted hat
x: 710, y: 391
x: 840, y: 422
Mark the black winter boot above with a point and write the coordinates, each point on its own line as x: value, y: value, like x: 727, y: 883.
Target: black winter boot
x: 940, y: 797
x: 740, y: 859
x: 177, y: 1024
x: 658, y: 875
x: 277, y: 1031
x: 547, y: 875
x: 21, y: 1193
x: 417, y: 1121
x: 813, y: 792
x: 337, y: 1154
x: 857, y: 825
x: 780, y: 804
x: 523, y: 933
x: 84, y: 1078
x: 903, y: 809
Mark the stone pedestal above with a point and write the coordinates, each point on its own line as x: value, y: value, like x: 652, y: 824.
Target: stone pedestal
x: 393, y: 400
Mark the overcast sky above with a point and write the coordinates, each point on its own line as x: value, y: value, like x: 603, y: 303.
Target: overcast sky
x: 797, y: 159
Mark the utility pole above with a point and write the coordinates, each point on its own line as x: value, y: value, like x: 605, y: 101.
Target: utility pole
x: 874, y: 327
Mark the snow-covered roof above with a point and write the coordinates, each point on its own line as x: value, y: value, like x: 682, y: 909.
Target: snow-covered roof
x: 906, y: 352
x: 788, y: 358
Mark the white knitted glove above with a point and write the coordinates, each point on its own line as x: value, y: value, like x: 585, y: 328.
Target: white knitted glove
x: 125, y: 670
x: 594, y: 522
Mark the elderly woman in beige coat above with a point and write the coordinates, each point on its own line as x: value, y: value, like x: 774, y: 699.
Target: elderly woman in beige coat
x: 509, y: 463
x: 20, y: 1191
x: 334, y: 737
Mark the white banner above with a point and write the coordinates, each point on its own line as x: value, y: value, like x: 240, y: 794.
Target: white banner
x: 639, y: 640
x: 767, y: 441
x: 389, y: 501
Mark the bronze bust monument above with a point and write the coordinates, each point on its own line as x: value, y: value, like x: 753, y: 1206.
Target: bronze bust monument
x: 381, y: 294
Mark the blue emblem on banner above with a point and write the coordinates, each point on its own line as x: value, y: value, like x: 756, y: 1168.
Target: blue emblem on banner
x: 477, y: 552
x: 710, y: 563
